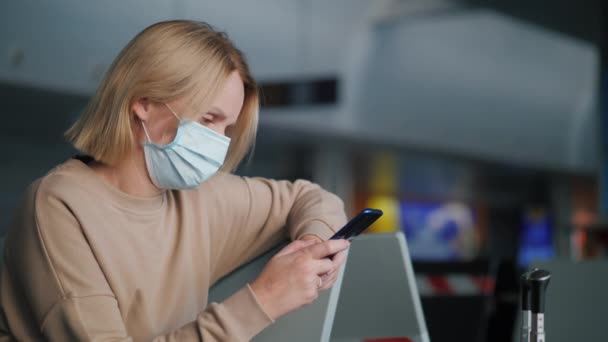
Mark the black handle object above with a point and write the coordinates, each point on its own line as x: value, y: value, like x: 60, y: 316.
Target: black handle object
x: 536, y: 284
x: 526, y: 306
x: 525, y: 291
x: 538, y: 280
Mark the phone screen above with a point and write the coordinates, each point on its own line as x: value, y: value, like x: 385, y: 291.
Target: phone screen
x: 358, y: 224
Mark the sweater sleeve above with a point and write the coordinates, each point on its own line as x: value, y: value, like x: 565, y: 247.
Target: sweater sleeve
x: 253, y: 215
x: 52, y: 280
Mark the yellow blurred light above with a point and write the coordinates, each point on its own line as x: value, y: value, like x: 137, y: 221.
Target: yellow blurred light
x: 391, y: 220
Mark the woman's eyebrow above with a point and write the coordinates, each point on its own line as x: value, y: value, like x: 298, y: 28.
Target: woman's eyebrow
x: 219, y: 113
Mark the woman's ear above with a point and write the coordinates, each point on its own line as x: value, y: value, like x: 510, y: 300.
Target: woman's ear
x: 142, y: 108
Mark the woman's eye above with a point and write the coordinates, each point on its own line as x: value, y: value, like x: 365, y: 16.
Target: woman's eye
x: 206, y: 119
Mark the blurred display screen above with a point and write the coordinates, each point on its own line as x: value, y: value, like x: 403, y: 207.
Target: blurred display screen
x: 536, y: 238
x: 439, y: 231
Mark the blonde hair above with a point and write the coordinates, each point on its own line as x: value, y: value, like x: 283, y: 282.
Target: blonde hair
x: 166, y: 61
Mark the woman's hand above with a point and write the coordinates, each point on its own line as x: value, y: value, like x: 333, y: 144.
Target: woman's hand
x: 295, y: 275
x: 329, y: 278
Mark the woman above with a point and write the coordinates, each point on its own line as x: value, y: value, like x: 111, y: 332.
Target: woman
x: 123, y: 244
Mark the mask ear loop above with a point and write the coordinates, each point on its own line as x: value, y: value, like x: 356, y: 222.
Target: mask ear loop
x: 144, y: 125
x: 146, y: 131
x: 172, y: 112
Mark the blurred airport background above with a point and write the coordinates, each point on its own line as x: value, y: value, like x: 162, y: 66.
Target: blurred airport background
x: 477, y: 126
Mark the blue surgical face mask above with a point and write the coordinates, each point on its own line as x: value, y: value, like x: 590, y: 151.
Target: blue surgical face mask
x: 195, y: 154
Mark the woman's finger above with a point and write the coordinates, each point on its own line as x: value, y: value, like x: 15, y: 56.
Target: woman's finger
x: 327, y: 277
x: 327, y: 248
x: 323, y: 266
x: 339, y: 259
x: 295, y: 246
x: 329, y: 281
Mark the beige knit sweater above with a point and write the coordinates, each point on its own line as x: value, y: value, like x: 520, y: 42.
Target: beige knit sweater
x: 85, y: 261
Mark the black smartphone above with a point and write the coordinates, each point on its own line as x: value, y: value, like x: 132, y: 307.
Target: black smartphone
x: 358, y: 224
